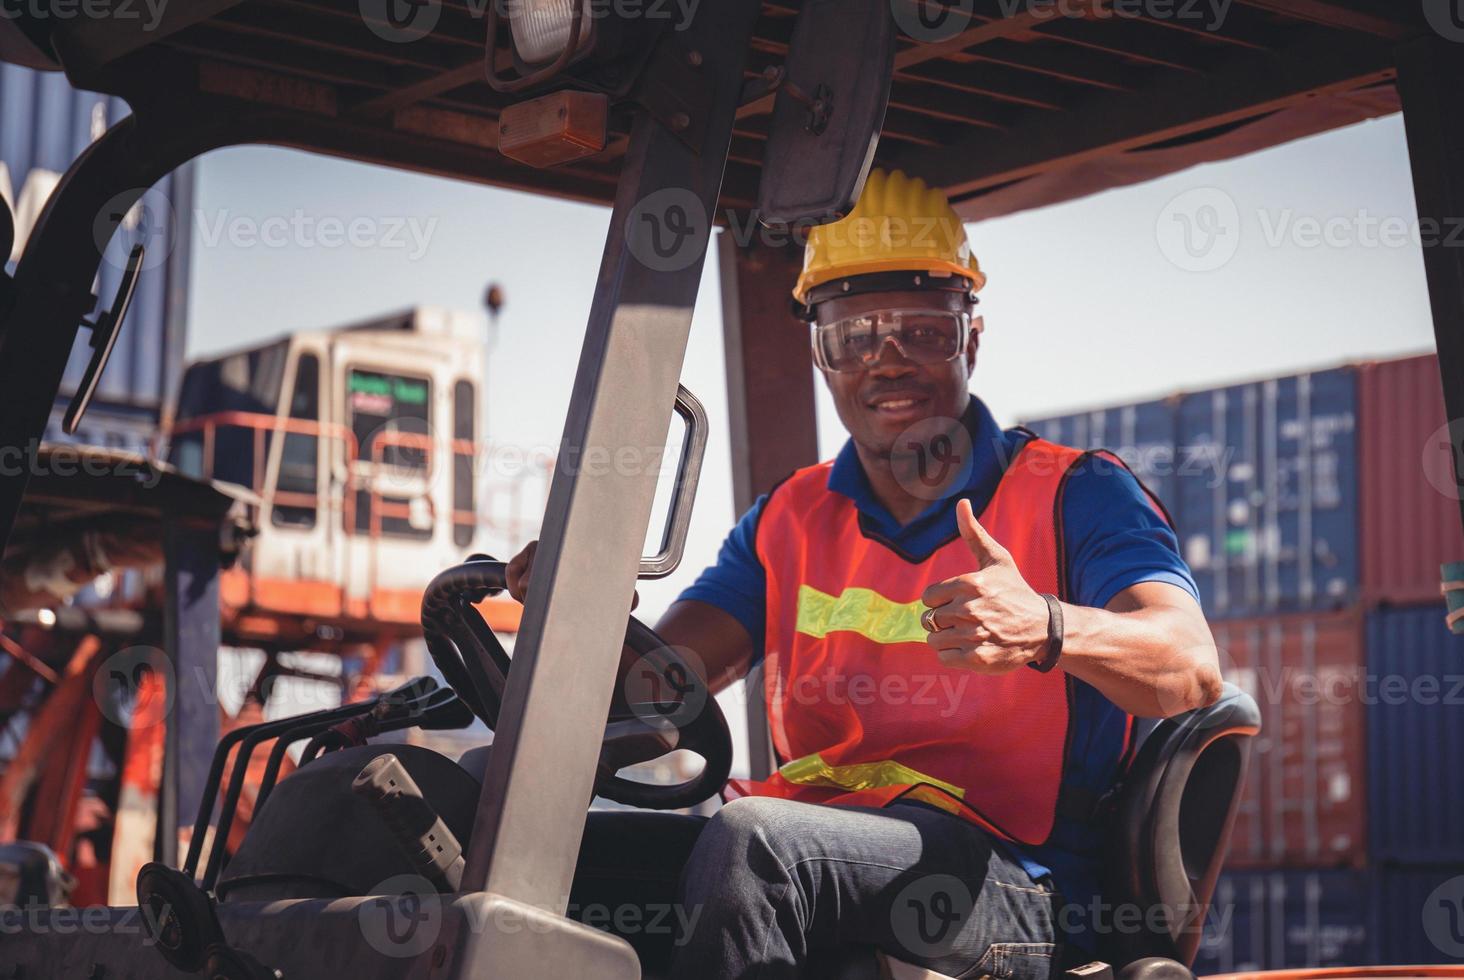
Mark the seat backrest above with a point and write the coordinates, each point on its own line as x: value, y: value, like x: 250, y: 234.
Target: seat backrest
x: 1171, y: 828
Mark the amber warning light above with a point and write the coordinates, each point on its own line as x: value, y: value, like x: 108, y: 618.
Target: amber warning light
x: 554, y: 129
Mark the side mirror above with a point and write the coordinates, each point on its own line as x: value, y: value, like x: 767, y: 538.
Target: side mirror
x: 830, y: 108
x: 104, y: 330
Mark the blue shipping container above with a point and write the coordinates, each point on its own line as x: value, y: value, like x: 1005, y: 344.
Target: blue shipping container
x: 1418, y: 915
x: 1234, y: 941
x: 1267, y: 494
x: 1272, y: 920
x: 45, y: 124
x: 1141, y: 435
x: 1415, y: 736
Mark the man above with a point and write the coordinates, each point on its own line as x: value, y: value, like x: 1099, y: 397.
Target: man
x: 950, y: 694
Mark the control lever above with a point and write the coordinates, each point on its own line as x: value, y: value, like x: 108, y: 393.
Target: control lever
x: 247, y: 739
x: 429, y: 844
x: 104, y: 331
x: 438, y: 710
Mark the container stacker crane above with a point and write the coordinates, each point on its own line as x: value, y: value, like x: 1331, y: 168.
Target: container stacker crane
x: 364, y: 449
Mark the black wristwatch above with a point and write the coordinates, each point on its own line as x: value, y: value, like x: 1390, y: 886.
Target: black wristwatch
x: 1054, y: 636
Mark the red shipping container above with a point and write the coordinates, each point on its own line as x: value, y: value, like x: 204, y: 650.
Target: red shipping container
x: 1409, y: 497
x: 1305, y: 799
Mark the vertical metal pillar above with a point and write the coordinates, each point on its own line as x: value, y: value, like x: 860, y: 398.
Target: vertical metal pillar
x: 191, y: 637
x: 769, y: 401
x: 540, y: 778
x: 1431, y: 84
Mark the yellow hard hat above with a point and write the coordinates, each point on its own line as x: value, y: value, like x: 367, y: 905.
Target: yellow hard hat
x: 899, y: 225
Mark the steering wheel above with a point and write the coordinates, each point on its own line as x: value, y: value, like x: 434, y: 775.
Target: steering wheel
x: 668, y: 708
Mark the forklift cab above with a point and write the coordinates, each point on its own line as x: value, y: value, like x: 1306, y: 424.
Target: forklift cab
x: 761, y: 107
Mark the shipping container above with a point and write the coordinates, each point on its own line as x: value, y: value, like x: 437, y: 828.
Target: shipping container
x: 1304, y: 803
x: 1142, y: 435
x: 1234, y: 940
x: 1319, y: 918
x: 1415, y: 725
x: 1272, y: 920
x: 1410, y: 494
x: 45, y: 124
x: 1266, y: 498
x: 1418, y: 915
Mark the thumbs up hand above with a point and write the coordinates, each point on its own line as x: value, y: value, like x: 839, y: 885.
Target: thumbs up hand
x: 988, y: 620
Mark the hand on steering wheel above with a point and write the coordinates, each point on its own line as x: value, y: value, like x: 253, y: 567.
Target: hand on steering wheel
x: 669, y: 706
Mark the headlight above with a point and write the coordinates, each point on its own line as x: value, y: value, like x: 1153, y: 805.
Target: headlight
x: 541, y: 28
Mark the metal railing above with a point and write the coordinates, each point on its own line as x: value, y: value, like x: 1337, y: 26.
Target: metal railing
x: 346, y: 459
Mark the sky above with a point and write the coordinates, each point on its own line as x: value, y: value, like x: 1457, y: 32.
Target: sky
x: 1294, y: 258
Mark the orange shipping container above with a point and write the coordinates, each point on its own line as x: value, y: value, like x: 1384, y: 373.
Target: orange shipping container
x: 1305, y: 800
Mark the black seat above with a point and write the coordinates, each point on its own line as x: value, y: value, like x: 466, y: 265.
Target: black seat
x: 315, y: 838
x: 1170, y: 828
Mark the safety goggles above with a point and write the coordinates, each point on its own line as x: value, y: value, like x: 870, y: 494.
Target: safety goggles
x: 921, y: 336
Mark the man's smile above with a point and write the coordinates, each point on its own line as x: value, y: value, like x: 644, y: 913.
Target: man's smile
x: 904, y: 403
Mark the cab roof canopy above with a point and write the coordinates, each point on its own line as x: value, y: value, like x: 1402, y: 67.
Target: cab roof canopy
x: 1031, y: 103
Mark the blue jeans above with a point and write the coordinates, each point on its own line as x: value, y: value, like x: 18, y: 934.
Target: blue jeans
x: 772, y: 886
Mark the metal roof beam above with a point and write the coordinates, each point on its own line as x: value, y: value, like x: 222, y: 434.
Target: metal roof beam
x: 996, y: 82
x: 426, y: 88
x: 88, y: 43
x: 1127, y: 41
x: 1165, y: 108
x: 1034, y: 14
x: 1067, y: 64
x: 1331, y: 15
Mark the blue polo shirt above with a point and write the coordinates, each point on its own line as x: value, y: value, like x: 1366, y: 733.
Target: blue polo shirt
x: 1114, y: 540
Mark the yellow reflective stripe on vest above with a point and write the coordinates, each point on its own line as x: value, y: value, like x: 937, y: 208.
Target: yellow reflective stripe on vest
x: 812, y: 770
x: 862, y: 611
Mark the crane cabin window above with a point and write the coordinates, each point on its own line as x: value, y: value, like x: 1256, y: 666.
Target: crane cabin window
x: 464, y: 434
x: 298, y: 485
x: 388, y: 413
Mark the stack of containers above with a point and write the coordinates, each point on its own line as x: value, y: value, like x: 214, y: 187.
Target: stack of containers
x: 1314, y: 511
x: 1415, y: 711
x: 1142, y: 435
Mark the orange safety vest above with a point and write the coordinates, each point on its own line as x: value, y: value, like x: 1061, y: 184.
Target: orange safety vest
x: 861, y: 709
